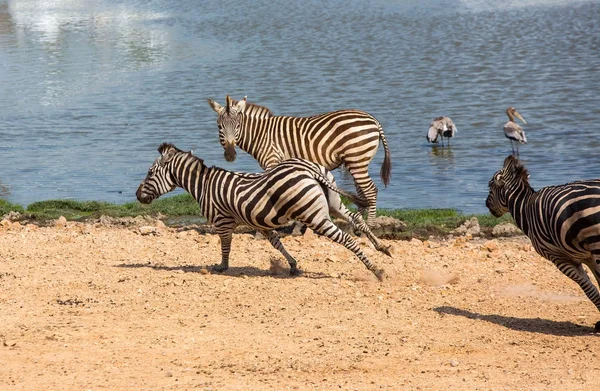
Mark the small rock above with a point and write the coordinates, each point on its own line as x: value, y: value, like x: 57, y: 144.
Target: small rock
x: 454, y: 363
x: 9, y: 343
x: 415, y: 242
x: 147, y: 230
x: 506, y: 229
x: 61, y: 222
x: 13, y: 216
x: 387, y: 225
x: 258, y: 235
x: 490, y: 245
x: 469, y: 227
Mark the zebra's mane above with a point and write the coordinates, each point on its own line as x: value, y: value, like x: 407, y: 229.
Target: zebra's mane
x: 255, y: 111
x: 164, y: 146
x: 190, y: 155
x: 514, y: 168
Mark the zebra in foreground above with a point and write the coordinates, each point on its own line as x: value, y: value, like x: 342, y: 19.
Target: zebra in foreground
x: 345, y: 137
x: 563, y: 222
x: 295, y: 189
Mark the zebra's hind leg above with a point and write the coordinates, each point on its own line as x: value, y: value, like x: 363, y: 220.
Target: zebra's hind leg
x: 365, y: 187
x: 326, y: 228
x: 276, y: 243
x: 576, y: 273
x: 337, y: 209
x: 595, y: 267
x: 224, y: 228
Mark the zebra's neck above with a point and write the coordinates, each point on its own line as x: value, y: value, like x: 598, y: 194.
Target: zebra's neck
x: 189, y: 173
x: 255, y: 138
x: 518, y: 197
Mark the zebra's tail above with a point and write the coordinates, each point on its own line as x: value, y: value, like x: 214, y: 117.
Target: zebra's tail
x: 357, y: 200
x: 386, y: 167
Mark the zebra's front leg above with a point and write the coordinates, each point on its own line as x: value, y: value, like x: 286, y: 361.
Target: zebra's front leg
x: 224, y: 228
x: 276, y: 243
x: 576, y: 273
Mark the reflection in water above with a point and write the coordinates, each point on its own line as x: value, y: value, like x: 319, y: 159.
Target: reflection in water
x: 441, y: 157
x: 87, y: 45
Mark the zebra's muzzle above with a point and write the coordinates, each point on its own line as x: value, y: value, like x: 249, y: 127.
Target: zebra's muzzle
x: 229, y: 152
x: 493, y: 210
x: 143, y: 198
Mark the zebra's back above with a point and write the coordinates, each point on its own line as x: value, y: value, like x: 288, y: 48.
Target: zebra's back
x: 567, y: 214
x: 328, y: 138
x: 266, y: 200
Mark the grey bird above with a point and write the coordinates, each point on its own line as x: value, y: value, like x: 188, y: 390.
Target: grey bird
x: 441, y: 126
x: 513, y: 131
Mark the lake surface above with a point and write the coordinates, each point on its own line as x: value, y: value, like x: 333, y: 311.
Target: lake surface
x: 89, y: 89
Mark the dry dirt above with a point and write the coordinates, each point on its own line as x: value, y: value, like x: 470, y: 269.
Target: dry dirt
x: 91, y: 307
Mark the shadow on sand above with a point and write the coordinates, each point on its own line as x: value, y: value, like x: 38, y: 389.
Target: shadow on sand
x: 532, y: 325
x: 233, y: 271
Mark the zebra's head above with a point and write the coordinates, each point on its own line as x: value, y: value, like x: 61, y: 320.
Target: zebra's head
x: 229, y: 123
x: 503, y: 183
x: 159, y: 180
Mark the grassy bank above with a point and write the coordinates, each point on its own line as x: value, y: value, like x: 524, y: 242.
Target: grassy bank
x: 420, y: 222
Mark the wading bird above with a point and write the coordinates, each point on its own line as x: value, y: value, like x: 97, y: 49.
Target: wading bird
x: 441, y: 126
x: 513, y: 131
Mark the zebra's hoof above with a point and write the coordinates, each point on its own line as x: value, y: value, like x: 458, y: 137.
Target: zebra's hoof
x: 597, y: 326
x: 294, y: 271
x: 380, y: 274
x: 219, y: 268
x: 386, y: 250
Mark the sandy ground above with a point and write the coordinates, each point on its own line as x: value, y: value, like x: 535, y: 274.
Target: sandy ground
x: 91, y: 307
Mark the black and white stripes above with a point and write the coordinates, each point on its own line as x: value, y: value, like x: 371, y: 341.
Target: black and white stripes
x: 345, y: 137
x: 295, y: 189
x: 563, y: 222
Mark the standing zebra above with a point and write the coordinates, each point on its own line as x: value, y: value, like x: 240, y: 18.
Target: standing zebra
x: 563, y: 222
x: 344, y: 137
x: 296, y: 189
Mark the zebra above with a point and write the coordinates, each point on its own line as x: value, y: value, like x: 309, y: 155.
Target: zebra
x: 346, y: 138
x: 563, y: 222
x: 295, y: 189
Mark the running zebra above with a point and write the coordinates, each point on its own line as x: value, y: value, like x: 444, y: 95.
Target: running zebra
x: 563, y: 222
x: 295, y: 189
x: 345, y: 137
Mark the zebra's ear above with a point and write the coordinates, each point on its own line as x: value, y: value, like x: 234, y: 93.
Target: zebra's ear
x: 167, y: 152
x: 498, y: 179
x: 215, y: 106
x: 241, y: 105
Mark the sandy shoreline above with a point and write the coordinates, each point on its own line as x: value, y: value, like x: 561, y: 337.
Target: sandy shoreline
x: 89, y: 306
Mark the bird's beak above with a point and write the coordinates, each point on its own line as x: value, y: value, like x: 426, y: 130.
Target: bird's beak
x: 519, y: 117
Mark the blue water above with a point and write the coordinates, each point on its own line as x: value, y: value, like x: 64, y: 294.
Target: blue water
x: 89, y: 89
